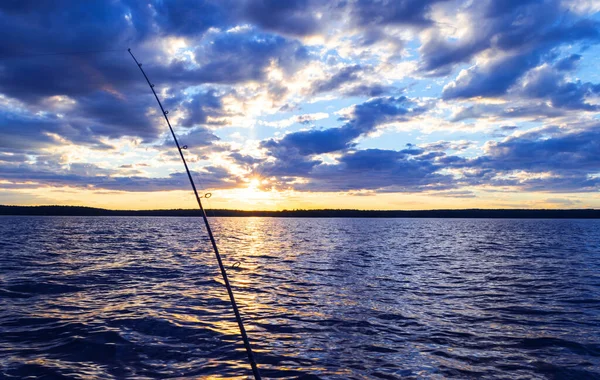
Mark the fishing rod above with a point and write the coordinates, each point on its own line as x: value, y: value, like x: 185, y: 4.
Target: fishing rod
x: 240, y: 323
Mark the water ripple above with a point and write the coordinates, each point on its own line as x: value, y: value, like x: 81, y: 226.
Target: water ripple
x: 142, y: 298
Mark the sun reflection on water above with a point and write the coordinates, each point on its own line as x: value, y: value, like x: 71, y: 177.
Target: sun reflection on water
x: 143, y: 297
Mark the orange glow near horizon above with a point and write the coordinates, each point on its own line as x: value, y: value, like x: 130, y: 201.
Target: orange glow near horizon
x: 252, y: 197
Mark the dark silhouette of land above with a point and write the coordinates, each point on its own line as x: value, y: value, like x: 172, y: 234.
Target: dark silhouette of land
x: 467, y: 213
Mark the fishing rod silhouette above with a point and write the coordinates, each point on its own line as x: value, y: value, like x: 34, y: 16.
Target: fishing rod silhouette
x: 238, y: 317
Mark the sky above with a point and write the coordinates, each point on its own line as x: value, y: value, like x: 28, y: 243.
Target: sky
x: 301, y: 104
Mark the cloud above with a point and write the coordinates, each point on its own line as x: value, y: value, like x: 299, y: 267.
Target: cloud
x: 344, y: 75
x: 456, y: 194
x: 351, y: 81
x: 548, y: 150
x: 184, y: 17
x: 508, y: 39
x: 368, y: 13
x: 292, y: 17
x: 313, y: 17
x: 106, y: 114
x: 504, y: 26
x: 364, y: 118
x: 24, y: 26
x: 28, y: 133
x: 32, y: 81
x: 369, y: 90
x: 50, y: 172
x: 233, y: 64
x: 294, y: 154
x: 199, y: 137
x: 568, y: 63
x: 237, y: 57
x: 546, y: 82
x: 202, y: 107
x: 447, y: 145
x: 109, y: 96
x: 563, y: 201
x: 376, y: 169
x: 244, y: 159
x: 305, y: 119
x: 546, y: 160
x: 549, y: 159
x: 528, y: 110
x: 493, y: 78
x: 7, y: 157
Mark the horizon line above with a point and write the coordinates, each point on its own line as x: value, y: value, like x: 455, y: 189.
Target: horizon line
x: 84, y: 211
x: 304, y: 209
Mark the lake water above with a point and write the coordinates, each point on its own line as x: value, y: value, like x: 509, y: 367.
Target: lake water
x: 141, y: 297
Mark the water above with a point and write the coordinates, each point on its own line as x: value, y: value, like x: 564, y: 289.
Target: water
x: 322, y: 298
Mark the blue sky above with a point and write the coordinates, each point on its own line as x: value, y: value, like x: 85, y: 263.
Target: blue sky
x: 302, y: 104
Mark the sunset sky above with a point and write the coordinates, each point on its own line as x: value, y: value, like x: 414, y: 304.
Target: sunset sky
x: 407, y: 104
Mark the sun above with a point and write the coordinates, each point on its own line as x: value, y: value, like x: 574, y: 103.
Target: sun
x: 253, y: 193
x: 254, y: 184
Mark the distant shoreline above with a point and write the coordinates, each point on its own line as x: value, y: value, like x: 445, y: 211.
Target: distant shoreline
x: 464, y: 213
